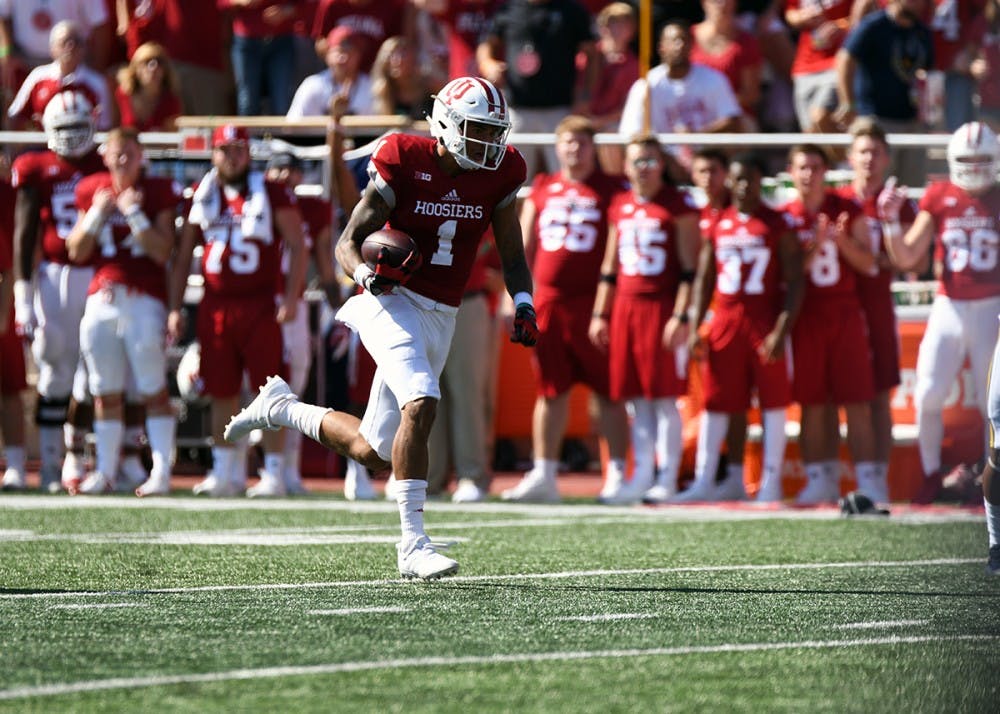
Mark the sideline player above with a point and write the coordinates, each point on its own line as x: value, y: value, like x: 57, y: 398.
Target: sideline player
x: 126, y: 229
x: 12, y: 372
x: 443, y: 192
x: 641, y: 315
x: 752, y: 261
x: 49, y: 301
x: 991, y: 471
x: 959, y: 217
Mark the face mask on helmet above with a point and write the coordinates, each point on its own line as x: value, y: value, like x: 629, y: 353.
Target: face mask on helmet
x: 973, y: 158
x: 68, y: 122
x: 470, y: 120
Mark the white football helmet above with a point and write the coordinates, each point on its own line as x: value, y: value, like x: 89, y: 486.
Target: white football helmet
x: 68, y: 121
x: 471, y: 101
x: 973, y: 157
x: 189, y: 382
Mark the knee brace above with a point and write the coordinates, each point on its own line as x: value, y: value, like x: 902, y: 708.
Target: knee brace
x: 51, y: 412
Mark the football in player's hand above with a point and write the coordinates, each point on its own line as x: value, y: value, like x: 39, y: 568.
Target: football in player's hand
x: 398, y: 246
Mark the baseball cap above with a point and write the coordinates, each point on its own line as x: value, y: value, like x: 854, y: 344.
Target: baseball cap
x: 284, y: 160
x: 341, y: 33
x: 229, y: 134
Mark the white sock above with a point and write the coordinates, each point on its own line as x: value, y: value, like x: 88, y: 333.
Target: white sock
x: 304, y: 418
x: 274, y: 464
x: 643, y: 428
x: 75, y: 439
x: 222, y: 462
x: 930, y: 435
x: 815, y: 471
x: 160, y: 431
x: 411, y: 494
x: 711, y: 433
x: 616, y: 469
x: 734, y: 471
x: 548, y: 468
x: 15, y: 458
x: 109, y: 434
x: 51, y: 445
x: 293, y: 452
x: 832, y: 469
x: 669, y: 441
x: 993, y: 522
x: 775, y: 441
x: 866, y: 471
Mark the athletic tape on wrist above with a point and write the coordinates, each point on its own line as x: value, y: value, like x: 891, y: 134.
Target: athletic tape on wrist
x: 138, y: 222
x: 361, y: 273
x: 93, y: 221
x: 524, y: 298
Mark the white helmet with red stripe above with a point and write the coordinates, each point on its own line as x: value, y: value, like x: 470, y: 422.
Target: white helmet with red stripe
x: 470, y: 119
x: 68, y: 121
x: 973, y: 157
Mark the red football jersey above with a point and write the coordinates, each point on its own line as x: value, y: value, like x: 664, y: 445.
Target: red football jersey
x: 967, y: 242
x: 647, y: 240
x: 55, y: 180
x: 374, y: 21
x: 810, y: 56
x: 829, y: 275
x: 118, y: 258
x: 747, y: 261
x: 238, y: 265
x: 570, y: 231
x: 955, y: 24
x: 467, y: 22
x: 446, y: 215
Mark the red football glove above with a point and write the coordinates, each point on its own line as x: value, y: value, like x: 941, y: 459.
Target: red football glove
x: 525, y: 326
x: 386, y: 277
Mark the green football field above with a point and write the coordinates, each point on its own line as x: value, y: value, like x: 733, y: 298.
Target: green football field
x: 115, y: 604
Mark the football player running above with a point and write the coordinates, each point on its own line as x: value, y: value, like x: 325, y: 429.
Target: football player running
x: 444, y: 192
x: 126, y: 228
x: 959, y: 218
x: 49, y: 301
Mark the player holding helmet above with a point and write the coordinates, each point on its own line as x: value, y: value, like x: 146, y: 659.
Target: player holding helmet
x: 444, y: 192
x: 961, y: 214
x: 49, y: 302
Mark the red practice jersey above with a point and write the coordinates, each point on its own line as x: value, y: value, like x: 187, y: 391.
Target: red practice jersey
x: 118, y: 257
x: 647, y: 240
x: 446, y: 215
x: 55, y: 179
x: 967, y: 242
x: 570, y: 232
x: 829, y: 275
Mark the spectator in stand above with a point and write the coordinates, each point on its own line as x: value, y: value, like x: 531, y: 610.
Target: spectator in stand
x: 752, y: 262
x: 373, y: 20
x: 263, y: 53
x: 126, y: 225
x: 683, y: 96
x: 641, y: 314
x: 26, y: 25
x: 66, y: 72
x: 958, y: 28
x: 306, y: 60
x: 877, y: 71
x: 831, y: 355
x: 245, y: 222
x: 986, y: 67
x: 12, y: 372
x: 565, y: 226
x: 148, y: 93
x: 399, y: 85
x: 869, y: 159
x: 459, y: 435
x: 666, y: 11
x: 466, y: 22
x: 959, y: 219
x: 195, y: 37
x: 822, y: 27
x: 530, y: 50
x: 619, y: 68
x: 341, y: 88
x: 721, y: 44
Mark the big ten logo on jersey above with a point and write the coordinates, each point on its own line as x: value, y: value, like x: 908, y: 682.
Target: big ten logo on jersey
x: 642, y: 245
x: 64, y: 206
x: 970, y: 241
x: 226, y: 245
x: 569, y: 222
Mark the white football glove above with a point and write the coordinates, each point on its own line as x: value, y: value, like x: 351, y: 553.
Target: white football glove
x: 24, y: 308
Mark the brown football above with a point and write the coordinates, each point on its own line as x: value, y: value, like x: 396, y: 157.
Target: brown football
x: 398, y: 244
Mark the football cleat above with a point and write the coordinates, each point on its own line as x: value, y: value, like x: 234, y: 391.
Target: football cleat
x: 358, y: 485
x: 468, y: 492
x: 533, y: 488
x: 256, y: 414
x: 158, y: 484
x: 730, y: 489
x: 698, y: 492
x: 51, y: 480
x: 269, y: 486
x: 421, y: 560
x: 74, y: 470
x: 929, y: 489
x: 993, y: 566
x: 96, y: 483
x: 620, y: 494
x: 131, y: 474
x: 293, y: 483
x: 660, y: 493
x: 875, y: 487
x: 817, y: 491
x: 13, y: 480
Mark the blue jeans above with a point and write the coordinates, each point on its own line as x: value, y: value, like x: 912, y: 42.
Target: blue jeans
x: 958, y: 91
x: 260, y: 63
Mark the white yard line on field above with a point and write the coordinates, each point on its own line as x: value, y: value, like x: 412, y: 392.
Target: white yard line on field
x: 608, y: 617
x: 451, y: 662
x: 880, y: 625
x: 97, y: 605
x: 569, y: 574
x: 360, y: 610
